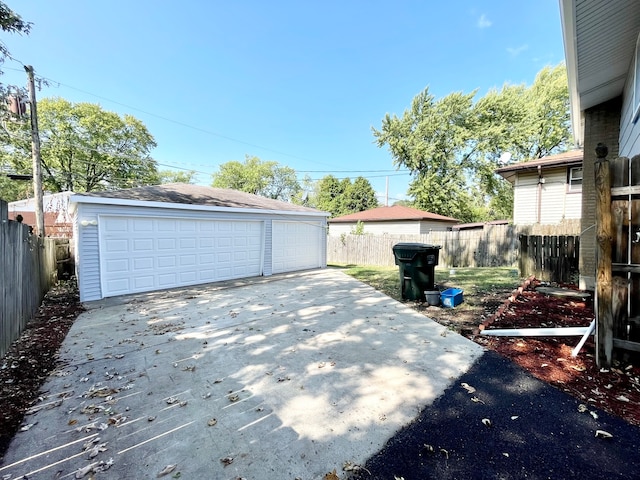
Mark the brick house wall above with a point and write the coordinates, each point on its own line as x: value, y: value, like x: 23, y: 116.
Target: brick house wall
x: 601, y: 125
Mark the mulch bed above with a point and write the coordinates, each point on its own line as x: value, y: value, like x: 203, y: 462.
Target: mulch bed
x: 615, y: 390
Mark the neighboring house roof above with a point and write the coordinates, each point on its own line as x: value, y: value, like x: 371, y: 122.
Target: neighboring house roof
x: 187, y: 194
x: 567, y: 159
x: 391, y: 214
x: 477, y: 225
x: 599, y: 40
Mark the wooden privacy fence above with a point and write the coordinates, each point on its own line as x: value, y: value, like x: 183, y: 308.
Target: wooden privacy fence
x: 28, y: 268
x: 493, y: 246
x: 550, y: 258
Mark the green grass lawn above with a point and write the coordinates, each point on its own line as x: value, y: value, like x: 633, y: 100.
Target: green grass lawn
x: 474, y: 281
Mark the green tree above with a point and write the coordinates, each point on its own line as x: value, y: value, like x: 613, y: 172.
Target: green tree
x: 329, y: 197
x: 84, y: 148
x: 359, y: 196
x: 266, y: 178
x: 173, y: 176
x: 12, y: 190
x: 453, y: 145
x: 342, y: 197
x: 11, y: 22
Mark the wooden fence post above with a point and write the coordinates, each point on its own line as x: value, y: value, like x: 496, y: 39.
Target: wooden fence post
x: 604, y: 313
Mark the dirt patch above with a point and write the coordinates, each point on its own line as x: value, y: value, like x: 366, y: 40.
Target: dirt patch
x: 615, y: 390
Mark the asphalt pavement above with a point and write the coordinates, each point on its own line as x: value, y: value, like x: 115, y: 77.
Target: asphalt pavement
x: 498, y: 422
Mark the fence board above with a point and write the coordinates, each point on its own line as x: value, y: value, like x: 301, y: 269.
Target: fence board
x: 493, y: 246
x: 27, y: 270
x: 548, y: 257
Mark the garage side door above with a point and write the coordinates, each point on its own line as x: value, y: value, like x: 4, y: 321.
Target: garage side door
x: 296, y: 246
x: 140, y: 254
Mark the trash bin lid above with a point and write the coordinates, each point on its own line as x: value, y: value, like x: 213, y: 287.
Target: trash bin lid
x: 416, y: 247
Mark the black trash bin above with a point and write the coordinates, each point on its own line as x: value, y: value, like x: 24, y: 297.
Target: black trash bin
x: 417, y: 262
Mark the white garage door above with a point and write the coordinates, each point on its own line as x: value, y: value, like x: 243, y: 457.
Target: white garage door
x: 296, y: 246
x: 140, y: 254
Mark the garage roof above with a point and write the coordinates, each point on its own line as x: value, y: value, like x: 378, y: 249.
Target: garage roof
x: 390, y: 214
x: 187, y: 196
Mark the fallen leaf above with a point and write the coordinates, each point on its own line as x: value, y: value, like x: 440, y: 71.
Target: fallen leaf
x: 428, y: 448
x: 603, y: 434
x: 468, y: 387
x: 167, y: 470
x: 84, y: 471
x: 331, y: 475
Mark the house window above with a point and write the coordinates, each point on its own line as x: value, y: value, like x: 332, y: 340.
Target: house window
x: 636, y: 82
x: 575, y: 179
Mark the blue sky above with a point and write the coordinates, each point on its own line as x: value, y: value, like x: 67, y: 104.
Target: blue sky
x: 298, y: 82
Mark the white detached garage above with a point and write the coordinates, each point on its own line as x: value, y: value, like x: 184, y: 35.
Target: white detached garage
x: 166, y: 236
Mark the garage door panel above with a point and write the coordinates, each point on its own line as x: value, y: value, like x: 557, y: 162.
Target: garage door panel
x: 143, y: 244
x: 166, y: 244
x: 143, y: 254
x: 141, y: 281
x: 117, y: 265
x: 164, y: 225
x: 187, y: 243
x: 143, y: 263
x: 296, y: 246
x: 143, y: 226
x: 187, y: 260
x: 117, y: 245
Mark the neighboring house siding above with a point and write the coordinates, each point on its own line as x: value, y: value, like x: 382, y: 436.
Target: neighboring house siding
x: 554, y: 193
x: 408, y: 227
x: 555, y: 204
x: 525, y: 199
x: 428, y: 226
x: 337, y: 229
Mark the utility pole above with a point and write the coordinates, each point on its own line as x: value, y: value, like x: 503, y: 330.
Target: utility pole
x: 35, y: 153
x: 386, y: 193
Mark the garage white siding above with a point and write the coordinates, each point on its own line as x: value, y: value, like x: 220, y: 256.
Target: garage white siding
x: 297, y: 245
x: 141, y: 254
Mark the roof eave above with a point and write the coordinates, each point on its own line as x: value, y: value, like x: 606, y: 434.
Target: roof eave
x: 75, y: 199
x: 568, y: 16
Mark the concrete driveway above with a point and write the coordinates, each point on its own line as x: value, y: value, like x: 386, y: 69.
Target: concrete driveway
x: 281, y: 378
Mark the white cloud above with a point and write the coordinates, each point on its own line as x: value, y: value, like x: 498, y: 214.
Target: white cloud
x: 484, y: 22
x: 514, y: 52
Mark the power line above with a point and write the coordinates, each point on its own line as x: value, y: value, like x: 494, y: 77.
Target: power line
x: 177, y: 122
